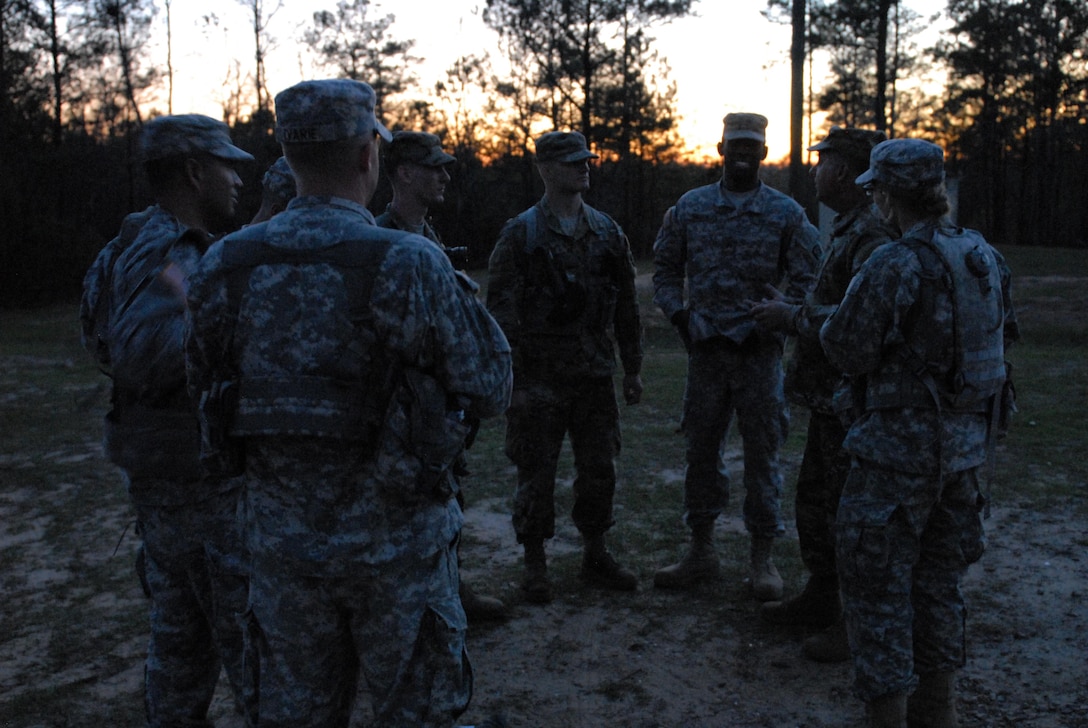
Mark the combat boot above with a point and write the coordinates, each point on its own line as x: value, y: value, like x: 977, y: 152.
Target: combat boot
x: 933, y: 704
x: 887, y: 711
x: 831, y: 645
x: 816, y: 606
x: 699, y: 564
x: 600, y: 568
x: 766, y: 583
x: 536, y: 586
x: 480, y: 608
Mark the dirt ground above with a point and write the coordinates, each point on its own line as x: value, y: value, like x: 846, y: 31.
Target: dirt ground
x: 73, y: 620
x: 648, y: 659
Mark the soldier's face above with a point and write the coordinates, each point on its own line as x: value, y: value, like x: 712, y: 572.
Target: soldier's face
x: 883, y: 203
x: 427, y: 183
x: 566, y: 177
x: 742, y: 157
x: 827, y: 176
x: 220, y: 187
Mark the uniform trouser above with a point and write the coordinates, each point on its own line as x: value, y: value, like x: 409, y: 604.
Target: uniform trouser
x: 904, y: 543
x: 399, y: 625
x: 541, y: 414
x: 723, y: 379
x: 195, y: 571
x: 824, y: 467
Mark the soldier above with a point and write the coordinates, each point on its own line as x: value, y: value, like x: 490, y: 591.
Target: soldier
x: 133, y: 315
x: 856, y: 231
x: 277, y: 189
x: 723, y: 243
x: 337, y: 354
x: 418, y: 170
x: 921, y: 329
x: 561, y: 278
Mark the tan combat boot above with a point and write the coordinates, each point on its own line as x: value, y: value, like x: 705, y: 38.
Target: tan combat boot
x: 699, y: 564
x: 816, y: 606
x: 887, y: 711
x: 933, y: 703
x: 830, y: 645
x: 766, y: 583
x: 480, y: 608
x: 600, y: 568
x: 536, y: 586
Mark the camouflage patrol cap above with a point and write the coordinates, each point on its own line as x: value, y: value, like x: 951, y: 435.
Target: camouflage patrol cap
x: 904, y: 164
x: 417, y: 147
x: 745, y: 126
x: 856, y: 144
x: 186, y: 134
x: 327, y: 111
x: 279, y: 180
x: 562, y: 146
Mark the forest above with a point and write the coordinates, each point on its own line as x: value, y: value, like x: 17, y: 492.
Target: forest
x: 1004, y: 90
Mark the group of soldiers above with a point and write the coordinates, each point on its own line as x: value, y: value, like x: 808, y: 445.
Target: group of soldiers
x: 292, y: 403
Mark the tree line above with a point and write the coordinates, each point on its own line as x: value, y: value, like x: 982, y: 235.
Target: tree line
x: 1005, y: 91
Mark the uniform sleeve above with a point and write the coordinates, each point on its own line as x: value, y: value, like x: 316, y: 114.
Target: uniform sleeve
x: 206, y: 341
x: 867, y: 320
x: 670, y: 258
x: 627, y: 323
x: 502, y: 280
x: 94, y: 305
x: 802, y: 251
x: 444, y: 329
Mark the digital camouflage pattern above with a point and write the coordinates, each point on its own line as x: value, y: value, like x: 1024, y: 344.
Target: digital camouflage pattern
x: 186, y: 135
x: 390, y: 220
x: 728, y: 254
x: 196, y: 574
x: 279, y: 180
x: 560, y: 298
x: 811, y: 382
x: 904, y: 164
x: 133, y: 316
x: 723, y: 256
x: 909, y: 520
x: 347, y: 550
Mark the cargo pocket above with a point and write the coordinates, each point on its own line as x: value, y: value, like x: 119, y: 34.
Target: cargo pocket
x: 450, y: 669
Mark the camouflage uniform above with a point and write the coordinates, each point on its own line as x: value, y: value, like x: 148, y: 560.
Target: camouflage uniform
x: 195, y: 569
x: 909, y: 520
x: 727, y: 254
x: 557, y: 296
x: 811, y: 382
x: 352, y: 544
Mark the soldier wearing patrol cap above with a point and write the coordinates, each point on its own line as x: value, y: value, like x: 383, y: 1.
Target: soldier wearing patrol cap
x: 133, y: 315
x: 561, y: 283
x: 350, y: 348
x: 418, y: 170
x: 717, y: 250
x: 856, y: 231
x: 922, y: 331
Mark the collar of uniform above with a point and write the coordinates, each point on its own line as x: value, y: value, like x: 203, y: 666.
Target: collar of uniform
x: 330, y: 201
x: 553, y: 219
x: 843, y: 220
x: 753, y: 202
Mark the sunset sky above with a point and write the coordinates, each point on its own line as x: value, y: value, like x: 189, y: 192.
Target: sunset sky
x: 727, y: 58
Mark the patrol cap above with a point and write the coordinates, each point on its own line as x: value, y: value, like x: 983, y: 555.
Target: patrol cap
x: 745, y: 126
x: 186, y: 134
x: 854, y: 143
x: 279, y: 180
x: 417, y: 147
x: 904, y: 164
x: 327, y: 111
x: 562, y: 146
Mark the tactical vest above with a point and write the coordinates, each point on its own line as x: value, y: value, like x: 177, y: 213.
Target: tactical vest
x: 958, y: 265
x: 308, y: 405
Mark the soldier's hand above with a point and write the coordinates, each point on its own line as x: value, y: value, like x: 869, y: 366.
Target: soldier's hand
x: 774, y: 315
x: 680, y: 320
x: 632, y: 388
